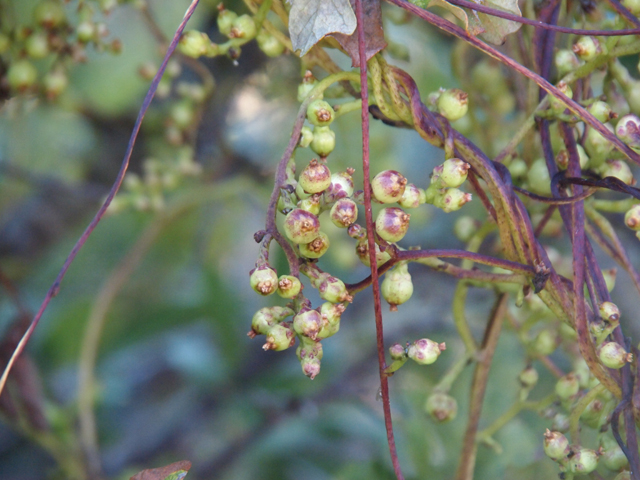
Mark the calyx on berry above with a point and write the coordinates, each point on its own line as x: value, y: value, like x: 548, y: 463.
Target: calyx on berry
x: 264, y: 280
x: 362, y: 250
x: 225, y: 20
x: 289, y: 286
x: 453, y: 104
x: 267, y: 317
x: 632, y: 218
x: 344, y: 212
x: 613, y: 355
x: 587, y: 48
x: 308, y: 323
x: 315, y: 178
x: 243, y: 27
x: 425, y: 351
x: 609, y: 311
x: 397, y: 286
x: 392, y: 224
x: 316, y: 247
x: 301, y: 226
x: 555, y: 444
x: 320, y: 113
x: 388, y: 186
x: 441, y: 407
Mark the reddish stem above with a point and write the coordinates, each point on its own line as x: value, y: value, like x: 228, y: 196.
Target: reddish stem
x: 384, y: 383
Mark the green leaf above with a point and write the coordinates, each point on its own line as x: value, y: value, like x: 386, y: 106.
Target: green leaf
x: 312, y: 20
x: 496, y: 29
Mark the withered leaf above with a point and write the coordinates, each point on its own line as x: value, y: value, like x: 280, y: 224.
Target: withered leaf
x: 496, y: 29
x: 175, y: 471
x: 374, y: 35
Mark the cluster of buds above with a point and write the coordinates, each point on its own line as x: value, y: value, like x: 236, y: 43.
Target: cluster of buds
x: 571, y: 458
x: 445, y: 180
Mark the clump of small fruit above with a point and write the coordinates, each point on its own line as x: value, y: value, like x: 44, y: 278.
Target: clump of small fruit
x: 315, y: 190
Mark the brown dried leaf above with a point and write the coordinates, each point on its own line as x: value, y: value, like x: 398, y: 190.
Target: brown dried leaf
x: 175, y: 471
x: 374, y: 34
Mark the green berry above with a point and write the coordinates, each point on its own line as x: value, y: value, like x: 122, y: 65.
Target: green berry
x: 243, y: 27
x: 316, y: 248
x: 610, y: 275
x: 49, y: 14
x: 392, y: 224
x: 324, y: 141
x: 453, y: 104
x: 280, y: 337
x: 264, y: 280
x: 556, y: 104
x: 398, y: 352
x: 182, y: 114
x: 555, y: 444
x: 587, y: 48
x: 618, y: 169
x: 308, y: 323
x: 528, y: 377
x: 632, y: 218
x: 5, y: 43
x: 545, y: 343
x: 311, y: 204
x: 37, y: 45
x: 425, y: 351
x: 21, y: 75
x: 452, y: 200
x: 613, y: 355
x: 612, y: 455
x: 55, y: 82
x: 628, y: 130
x: 597, y: 146
x: 306, y: 137
x: 538, y: 177
x: 624, y: 475
x: 451, y: 174
x: 194, y: 44
x: 441, y: 407
x: 331, y: 314
x: 397, y: 286
x: 225, y: 20
x: 412, y: 197
x: 567, y: 386
x: 308, y: 82
x: 267, y: 317
x: 269, y: 44
x: 561, y: 422
x: 320, y: 113
x: 388, y: 186
x: 609, y: 311
x: 566, y: 62
x: 301, y: 226
x: 315, y: 178
x: 465, y: 228
x: 583, y: 461
x: 632, y: 5
x: 602, y: 111
x: 362, y: 250
x: 289, y: 286
x: 86, y: 31
x: 344, y: 212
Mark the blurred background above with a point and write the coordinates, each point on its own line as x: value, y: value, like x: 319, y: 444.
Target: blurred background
x: 147, y: 338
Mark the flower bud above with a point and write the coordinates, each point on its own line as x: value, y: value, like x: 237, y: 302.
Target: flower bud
x: 388, y: 186
x: 264, y: 280
x: 566, y: 61
x: 628, y: 130
x: 587, y: 48
x: 301, y: 226
x: 306, y: 137
x: 398, y: 351
x: 451, y: 200
x: 280, y: 337
x: 609, y: 311
x: 555, y: 444
x: 267, y: 317
x: 453, y: 104
x: 451, y: 174
x: 397, y: 287
x: 617, y: 169
x: 315, y: 177
x: 425, y: 351
x: 613, y: 355
x: 324, y: 141
x: 320, y: 113
x: 225, y: 20
x: 341, y: 186
x: 567, y: 386
x: 602, y: 111
x: 289, y: 286
x: 441, y: 407
x: 412, y: 197
x: 344, y: 212
x: 392, y: 224
x: 528, y: 377
x: 317, y: 247
x: 583, y: 461
x: 308, y: 323
x: 362, y: 250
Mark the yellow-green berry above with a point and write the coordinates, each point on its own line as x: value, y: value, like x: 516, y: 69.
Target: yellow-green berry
x: 264, y: 280
x: 555, y: 445
x: 315, y: 178
x: 289, y: 286
x: 323, y: 141
x: 397, y: 287
x: 392, y: 224
x: 315, y: 248
x: 425, y: 351
x: 453, y: 104
x: 280, y: 337
x: 388, y: 186
x: 301, y: 226
x: 320, y: 113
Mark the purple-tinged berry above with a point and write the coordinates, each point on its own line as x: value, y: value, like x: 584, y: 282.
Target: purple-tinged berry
x: 632, y: 218
x: 398, y: 352
x: 344, y: 212
x: 264, y: 280
x: 567, y: 386
x: 331, y: 314
x: 308, y: 323
x: 267, y: 317
x: 324, y: 141
x: 362, y: 250
x: 613, y: 355
x: 453, y: 104
x: 566, y: 61
x: 453, y: 199
x: 341, y: 186
x: 388, y: 186
x: 397, y: 286
x: 412, y: 197
x: 301, y: 226
x: 441, y: 407
x: 392, y: 224
x: 587, y: 48
x: 320, y: 113
x: 309, y: 349
x: 315, y: 248
x: 618, y: 169
x: 289, y: 286
x: 425, y: 351
x: 583, y: 461
x: 315, y: 178
x: 310, y: 367
x: 628, y: 130
x: 610, y: 311
x: 280, y: 337
x: 555, y: 444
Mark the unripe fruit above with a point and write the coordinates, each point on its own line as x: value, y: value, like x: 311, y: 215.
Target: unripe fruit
x: 625, y: 475
x: 264, y: 280
x: 308, y: 323
x: 320, y: 113
x: 412, y: 197
x: 452, y: 199
x: 311, y: 204
x: 397, y: 286
x: 628, y: 130
x: 243, y: 27
x: 331, y: 313
x: 561, y: 422
x: 182, y: 114
x: 55, y: 82
x: 315, y: 177
x: 225, y: 20
x: 21, y: 75
x: 566, y: 61
x: 555, y: 444
x: 632, y: 218
x: 632, y: 5
x: 310, y: 367
x: 324, y: 141
x: 388, y: 186
x: 592, y: 416
x: 267, y: 317
x: 308, y: 82
x: 269, y: 44
x: 341, y: 185
x: 617, y: 169
x: 398, y: 352
x: 583, y: 461
x: 5, y: 43
x: 612, y: 455
x: 465, y: 227
x: 309, y: 350
x: 316, y: 248
x: 567, y: 386
x: 425, y: 351
x: 344, y: 212
x: 613, y: 355
x: 392, y: 224
x: 597, y: 146
x: 194, y: 44
x: 528, y: 377
x: 49, y: 14
x: 306, y: 136
x: 289, y: 286
x: 441, y: 407
x: 587, y: 48
x: 609, y: 311
x: 451, y: 174
x: 301, y: 226
x: 538, y: 177
x: 545, y: 343
x: 300, y: 193
x: 362, y: 250
x: 37, y: 45
x: 453, y: 104
x: 610, y: 275
x: 556, y: 103
x: 280, y: 337
x: 602, y: 111
x: 334, y: 290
